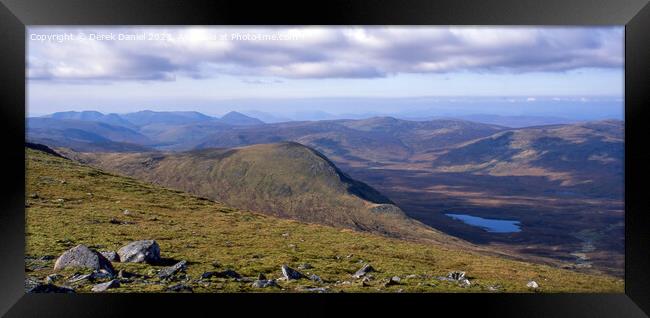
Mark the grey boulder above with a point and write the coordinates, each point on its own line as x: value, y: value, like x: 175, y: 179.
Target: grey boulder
x: 145, y: 251
x: 81, y: 256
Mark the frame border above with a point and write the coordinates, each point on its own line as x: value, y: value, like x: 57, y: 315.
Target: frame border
x: 15, y: 15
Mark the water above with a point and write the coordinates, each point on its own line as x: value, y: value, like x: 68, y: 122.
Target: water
x: 490, y: 225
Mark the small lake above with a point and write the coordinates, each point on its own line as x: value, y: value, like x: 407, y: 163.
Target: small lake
x: 490, y: 225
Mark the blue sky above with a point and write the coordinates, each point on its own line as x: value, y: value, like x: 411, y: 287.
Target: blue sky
x: 501, y: 70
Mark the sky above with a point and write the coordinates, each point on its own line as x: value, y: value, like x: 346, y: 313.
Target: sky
x: 442, y: 70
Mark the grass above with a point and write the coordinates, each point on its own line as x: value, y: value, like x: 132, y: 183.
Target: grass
x: 69, y: 204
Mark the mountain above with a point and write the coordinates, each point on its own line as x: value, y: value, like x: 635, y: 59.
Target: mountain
x: 83, y: 135
x: 378, y: 139
x: 285, y: 179
x: 147, y: 117
x: 112, y: 119
x: 587, y: 156
x: 517, y: 121
x: 88, y: 208
x: 239, y: 119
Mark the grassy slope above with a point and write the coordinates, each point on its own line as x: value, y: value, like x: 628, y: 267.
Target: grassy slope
x: 284, y: 179
x: 201, y: 232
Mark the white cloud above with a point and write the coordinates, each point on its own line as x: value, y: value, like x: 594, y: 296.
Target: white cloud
x: 320, y: 52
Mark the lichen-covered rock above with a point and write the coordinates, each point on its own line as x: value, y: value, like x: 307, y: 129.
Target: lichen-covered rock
x: 145, y: 251
x: 81, y: 256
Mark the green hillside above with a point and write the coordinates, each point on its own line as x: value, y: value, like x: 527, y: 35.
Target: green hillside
x: 285, y: 179
x: 68, y: 204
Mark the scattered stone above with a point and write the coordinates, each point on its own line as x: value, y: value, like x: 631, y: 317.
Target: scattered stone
x: 180, y: 288
x: 146, y: 251
x: 464, y: 282
x: 81, y: 256
x: 123, y: 274
x: 111, y: 256
x: 285, y: 234
x: 79, y: 277
x: 263, y: 283
x: 532, y: 284
x: 493, y: 288
x: 126, y: 212
x: 50, y: 279
x: 168, y: 272
x: 49, y: 288
x: 395, y: 280
x: 305, y: 266
x: 261, y: 276
x: 315, y: 278
x: 363, y: 271
x: 316, y: 289
x: 411, y: 276
x: 105, y: 286
x: 290, y: 273
x: 229, y: 273
x: 400, y: 290
x: 46, y: 258
x: 456, y: 275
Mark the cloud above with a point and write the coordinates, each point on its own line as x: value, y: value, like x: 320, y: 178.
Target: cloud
x: 314, y: 52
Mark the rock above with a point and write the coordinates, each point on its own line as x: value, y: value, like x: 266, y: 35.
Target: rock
x: 229, y: 273
x: 77, y: 278
x: 105, y: 286
x: 263, y: 283
x: 111, y: 256
x: 30, y: 282
x: 532, y: 284
x: 146, y: 251
x: 168, y: 272
x: 179, y: 288
x: 50, y: 279
x: 81, y: 256
x: 49, y: 288
x: 123, y: 274
x: 305, y: 266
x: 456, y: 275
x: 411, y: 276
x: 261, y: 276
x: 363, y: 271
x: 126, y: 212
x: 395, y: 280
x: 316, y: 289
x: 290, y: 273
x: 315, y: 278
x: 464, y: 282
x: 46, y: 258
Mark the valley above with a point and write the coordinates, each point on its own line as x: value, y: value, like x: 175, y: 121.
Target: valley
x: 563, y: 183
